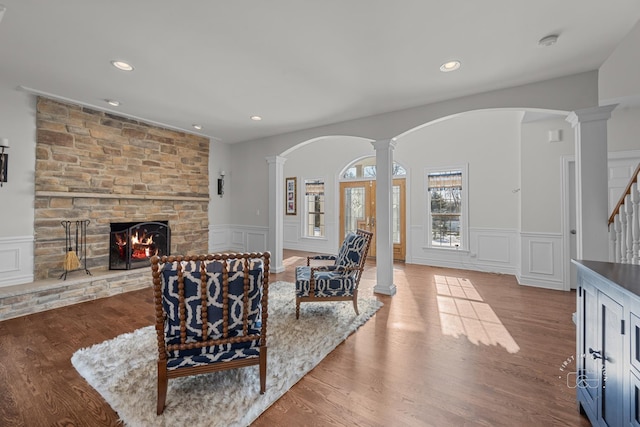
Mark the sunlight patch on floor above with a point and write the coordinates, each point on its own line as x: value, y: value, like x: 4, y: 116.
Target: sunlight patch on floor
x: 463, y: 313
x: 292, y: 260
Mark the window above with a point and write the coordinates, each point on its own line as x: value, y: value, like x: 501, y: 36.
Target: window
x: 446, y: 208
x: 314, y: 208
x: 366, y: 168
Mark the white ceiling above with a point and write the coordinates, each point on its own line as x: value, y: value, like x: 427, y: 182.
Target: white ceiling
x: 297, y: 63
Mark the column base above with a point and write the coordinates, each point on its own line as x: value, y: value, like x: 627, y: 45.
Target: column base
x: 277, y: 269
x: 385, y: 289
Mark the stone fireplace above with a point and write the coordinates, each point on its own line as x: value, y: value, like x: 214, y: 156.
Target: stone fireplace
x: 96, y: 166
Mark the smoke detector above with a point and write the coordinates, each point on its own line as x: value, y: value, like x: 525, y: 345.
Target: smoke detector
x: 549, y: 40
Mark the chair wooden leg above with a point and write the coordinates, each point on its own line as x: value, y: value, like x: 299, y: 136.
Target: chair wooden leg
x: 163, y: 383
x: 297, y: 308
x: 355, y: 302
x: 263, y: 369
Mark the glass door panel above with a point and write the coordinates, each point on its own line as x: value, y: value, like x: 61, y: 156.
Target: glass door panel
x: 356, y: 209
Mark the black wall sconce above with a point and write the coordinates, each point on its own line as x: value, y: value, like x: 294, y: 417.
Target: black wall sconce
x: 221, y: 184
x: 4, y: 160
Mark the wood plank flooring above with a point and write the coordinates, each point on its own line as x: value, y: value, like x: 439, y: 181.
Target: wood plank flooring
x: 451, y: 348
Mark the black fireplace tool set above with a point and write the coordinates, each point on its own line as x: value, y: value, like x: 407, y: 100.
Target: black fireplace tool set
x: 75, y: 259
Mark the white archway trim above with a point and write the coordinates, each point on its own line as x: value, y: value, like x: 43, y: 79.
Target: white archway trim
x: 318, y: 139
x: 452, y: 116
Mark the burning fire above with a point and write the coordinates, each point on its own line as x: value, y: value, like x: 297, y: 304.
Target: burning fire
x: 141, y: 246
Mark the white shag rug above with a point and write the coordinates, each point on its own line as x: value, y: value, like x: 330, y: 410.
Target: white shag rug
x: 124, y: 369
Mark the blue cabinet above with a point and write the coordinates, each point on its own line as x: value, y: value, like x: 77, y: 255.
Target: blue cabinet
x: 607, y: 341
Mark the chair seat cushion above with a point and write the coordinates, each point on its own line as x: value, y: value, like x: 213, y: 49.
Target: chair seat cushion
x: 327, y: 283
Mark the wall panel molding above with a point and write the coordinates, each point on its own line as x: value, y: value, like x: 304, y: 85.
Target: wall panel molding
x: 542, y: 260
x: 238, y: 238
x: 16, y: 260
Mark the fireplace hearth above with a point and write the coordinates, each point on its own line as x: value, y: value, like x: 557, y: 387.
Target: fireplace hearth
x: 132, y: 244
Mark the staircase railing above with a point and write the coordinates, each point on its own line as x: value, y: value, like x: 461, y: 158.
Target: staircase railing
x: 624, y: 225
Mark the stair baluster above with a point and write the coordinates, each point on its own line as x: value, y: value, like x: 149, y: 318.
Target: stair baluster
x: 623, y: 234
x: 618, y: 230
x: 628, y: 211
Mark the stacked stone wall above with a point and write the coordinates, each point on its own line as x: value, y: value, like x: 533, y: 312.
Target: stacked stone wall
x: 97, y: 166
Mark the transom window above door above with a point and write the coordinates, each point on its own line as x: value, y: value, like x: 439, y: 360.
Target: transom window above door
x: 366, y: 168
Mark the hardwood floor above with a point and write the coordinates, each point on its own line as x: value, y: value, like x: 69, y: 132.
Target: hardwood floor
x: 451, y: 348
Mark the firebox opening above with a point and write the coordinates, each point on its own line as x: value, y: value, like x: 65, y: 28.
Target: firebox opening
x: 132, y: 244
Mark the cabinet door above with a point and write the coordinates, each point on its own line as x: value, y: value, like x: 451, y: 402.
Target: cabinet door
x: 612, y: 351
x: 589, y: 368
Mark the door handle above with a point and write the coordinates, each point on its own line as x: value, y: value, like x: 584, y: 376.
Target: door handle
x: 573, y: 231
x: 596, y: 354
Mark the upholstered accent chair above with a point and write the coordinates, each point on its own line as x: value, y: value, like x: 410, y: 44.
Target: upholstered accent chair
x: 211, y: 314
x: 337, y: 282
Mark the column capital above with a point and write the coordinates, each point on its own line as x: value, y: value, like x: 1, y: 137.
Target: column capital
x: 592, y: 114
x: 276, y: 159
x: 384, y: 144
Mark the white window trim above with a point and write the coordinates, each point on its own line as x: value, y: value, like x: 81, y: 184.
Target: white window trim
x: 464, y: 215
x: 305, y: 212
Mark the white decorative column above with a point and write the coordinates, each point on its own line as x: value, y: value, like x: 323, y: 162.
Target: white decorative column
x: 592, y: 214
x: 276, y: 211
x: 384, y: 215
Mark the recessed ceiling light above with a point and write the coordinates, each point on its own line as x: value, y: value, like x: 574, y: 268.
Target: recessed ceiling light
x: 547, y: 41
x: 121, y: 65
x: 112, y: 102
x: 199, y: 127
x: 256, y: 118
x: 450, y: 66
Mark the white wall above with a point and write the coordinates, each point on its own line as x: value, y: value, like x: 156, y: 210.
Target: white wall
x: 18, y: 123
x: 488, y: 141
x: 543, y: 260
x: 619, y: 82
x: 219, y: 207
x: 541, y: 174
x: 618, y: 77
x: 324, y: 158
x: 623, y: 128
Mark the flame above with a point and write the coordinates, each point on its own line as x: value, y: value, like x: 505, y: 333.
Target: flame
x: 142, y: 240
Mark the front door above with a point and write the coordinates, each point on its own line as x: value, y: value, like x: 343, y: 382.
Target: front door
x: 358, y: 210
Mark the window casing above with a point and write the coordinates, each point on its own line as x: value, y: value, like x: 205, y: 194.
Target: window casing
x: 314, y: 208
x: 447, y: 203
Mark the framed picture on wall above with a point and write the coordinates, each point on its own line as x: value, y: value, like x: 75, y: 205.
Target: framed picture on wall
x: 290, y: 195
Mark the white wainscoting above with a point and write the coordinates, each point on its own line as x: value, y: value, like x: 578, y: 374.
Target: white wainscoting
x: 491, y: 250
x: 16, y: 260
x: 238, y: 238
x: 292, y: 239
x: 542, y: 260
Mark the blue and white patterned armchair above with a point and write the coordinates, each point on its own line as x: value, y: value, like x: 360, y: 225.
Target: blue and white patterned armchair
x: 211, y: 314
x: 337, y: 282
